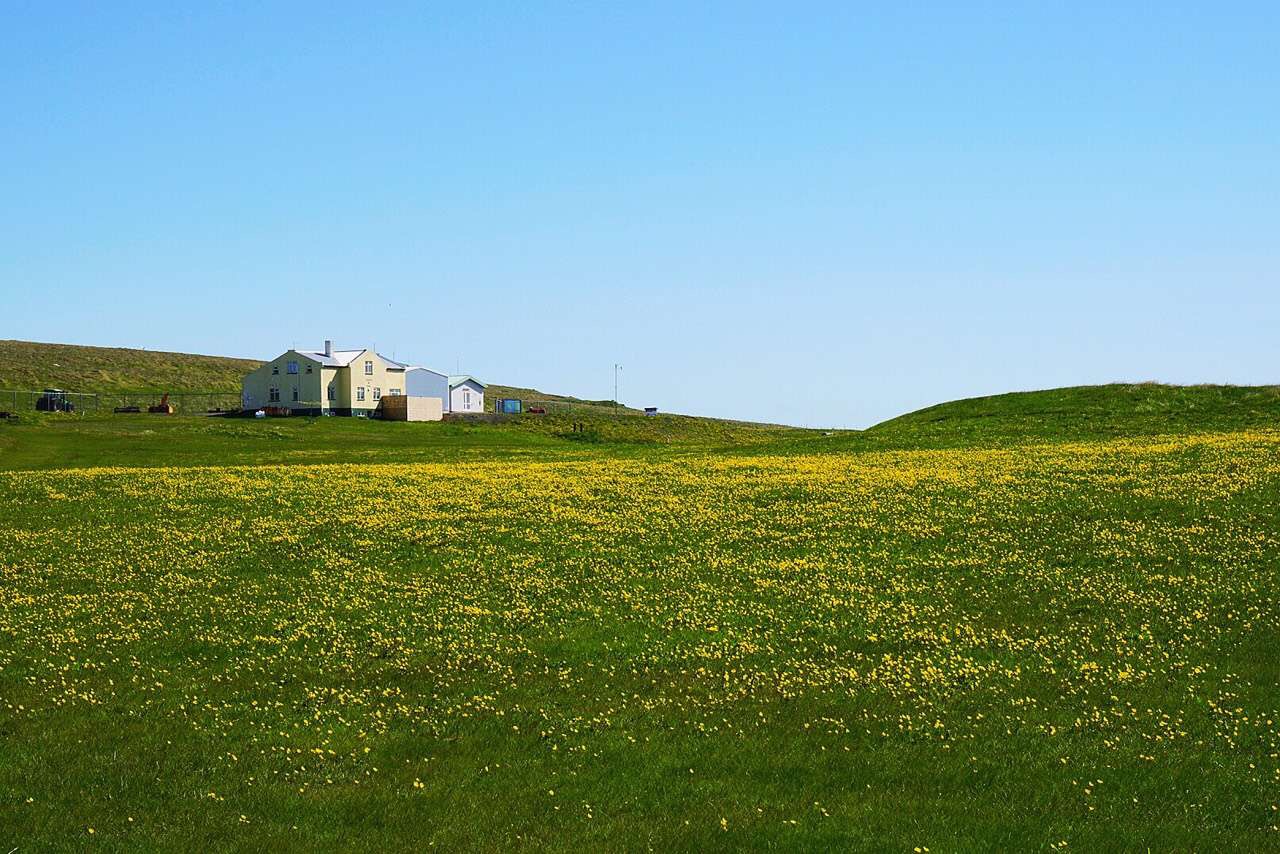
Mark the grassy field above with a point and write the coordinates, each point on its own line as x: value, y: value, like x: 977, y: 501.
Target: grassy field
x: 1042, y: 622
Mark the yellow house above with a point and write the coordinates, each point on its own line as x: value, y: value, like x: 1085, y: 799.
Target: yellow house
x: 324, y: 382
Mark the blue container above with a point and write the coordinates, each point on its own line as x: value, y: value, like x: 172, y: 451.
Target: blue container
x: 510, y: 406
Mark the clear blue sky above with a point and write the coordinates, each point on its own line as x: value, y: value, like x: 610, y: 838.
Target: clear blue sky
x: 817, y: 214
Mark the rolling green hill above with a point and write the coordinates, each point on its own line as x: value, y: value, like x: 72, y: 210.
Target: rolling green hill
x: 1081, y: 412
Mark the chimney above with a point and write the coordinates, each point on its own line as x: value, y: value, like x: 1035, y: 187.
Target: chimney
x: 328, y: 347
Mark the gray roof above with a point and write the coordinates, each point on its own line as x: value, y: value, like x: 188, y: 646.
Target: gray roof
x: 343, y: 358
x: 459, y: 379
x: 339, y: 358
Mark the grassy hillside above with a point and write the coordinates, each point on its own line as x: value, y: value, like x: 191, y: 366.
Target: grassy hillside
x: 493, y: 393
x: 29, y: 365
x: 1086, y: 412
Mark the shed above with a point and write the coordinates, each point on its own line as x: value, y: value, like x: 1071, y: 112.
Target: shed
x: 466, y: 394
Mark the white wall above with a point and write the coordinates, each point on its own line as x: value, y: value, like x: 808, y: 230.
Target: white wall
x: 458, y: 397
x: 424, y: 382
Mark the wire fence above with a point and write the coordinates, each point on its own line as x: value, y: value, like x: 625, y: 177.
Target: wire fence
x: 17, y: 401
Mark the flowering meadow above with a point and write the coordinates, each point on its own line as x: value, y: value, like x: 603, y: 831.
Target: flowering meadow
x: 1049, y: 646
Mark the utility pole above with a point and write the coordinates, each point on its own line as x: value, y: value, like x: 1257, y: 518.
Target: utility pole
x: 616, y: 368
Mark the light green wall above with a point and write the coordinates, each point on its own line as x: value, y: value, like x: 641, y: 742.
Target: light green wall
x: 381, y: 378
x: 257, y: 384
x: 313, y: 387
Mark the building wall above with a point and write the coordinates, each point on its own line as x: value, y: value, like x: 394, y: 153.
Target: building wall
x: 257, y: 384
x: 383, y: 378
x: 408, y: 408
x: 457, y: 397
x: 335, y: 377
x: 423, y: 382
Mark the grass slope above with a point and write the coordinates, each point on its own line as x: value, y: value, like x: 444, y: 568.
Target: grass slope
x: 1087, y: 412
x: 998, y: 625
x: 28, y: 365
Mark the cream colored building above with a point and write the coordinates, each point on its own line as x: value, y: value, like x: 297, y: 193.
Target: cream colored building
x: 324, y: 382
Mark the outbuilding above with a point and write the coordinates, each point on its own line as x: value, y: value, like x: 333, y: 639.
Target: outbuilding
x: 466, y: 394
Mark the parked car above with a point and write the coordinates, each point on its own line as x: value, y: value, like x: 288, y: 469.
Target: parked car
x: 54, y: 400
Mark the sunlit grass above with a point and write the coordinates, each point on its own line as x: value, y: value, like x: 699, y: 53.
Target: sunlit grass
x: 1011, y: 647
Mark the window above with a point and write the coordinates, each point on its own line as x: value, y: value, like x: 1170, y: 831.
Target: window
x: 360, y: 393
x: 293, y: 367
x: 377, y: 393
x: 394, y: 392
x: 273, y: 395
x: 295, y: 394
x: 308, y: 369
x: 275, y: 370
x: 333, y: 393
x: 368, y: 369
x: 466, y: 398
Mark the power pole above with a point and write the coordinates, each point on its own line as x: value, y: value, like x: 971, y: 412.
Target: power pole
x: 616, y: 368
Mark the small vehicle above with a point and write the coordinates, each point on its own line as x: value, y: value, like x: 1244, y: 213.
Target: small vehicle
x: 54, y: 400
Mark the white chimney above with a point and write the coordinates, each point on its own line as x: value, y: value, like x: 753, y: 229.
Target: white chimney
x: 328, y: 347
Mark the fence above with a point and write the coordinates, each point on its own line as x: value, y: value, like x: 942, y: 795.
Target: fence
x: 186, y: 402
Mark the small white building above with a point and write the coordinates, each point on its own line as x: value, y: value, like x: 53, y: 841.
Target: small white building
x: 466, y: 394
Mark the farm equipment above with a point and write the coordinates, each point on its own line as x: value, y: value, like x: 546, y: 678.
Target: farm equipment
x: 54, y: 400
x: 164, y: 407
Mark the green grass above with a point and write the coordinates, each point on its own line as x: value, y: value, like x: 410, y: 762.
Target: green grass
x: 999, y: 624
x: 1089, y: 412
x: 31, y: 366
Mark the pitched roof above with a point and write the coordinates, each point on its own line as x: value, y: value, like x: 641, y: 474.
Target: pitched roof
x: 343, y: 358
x: 459, y: 379
x: 339, y: 358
